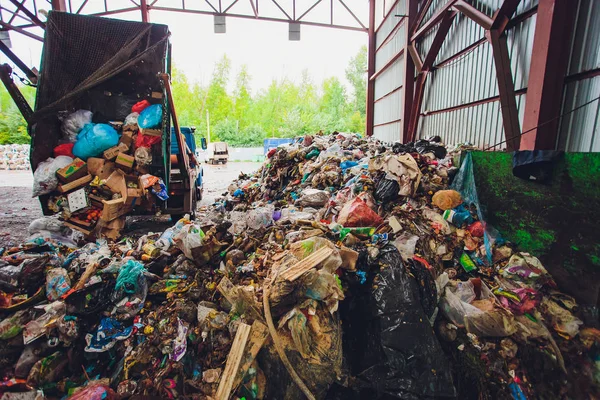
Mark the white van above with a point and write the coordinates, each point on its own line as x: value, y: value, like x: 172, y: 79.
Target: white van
x: 217, y: 152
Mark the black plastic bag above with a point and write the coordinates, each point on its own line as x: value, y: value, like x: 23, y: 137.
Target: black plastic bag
x: 390, y: 346
x: 386, y: 190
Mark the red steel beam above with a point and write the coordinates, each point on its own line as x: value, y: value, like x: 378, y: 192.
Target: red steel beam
x: 144, y: 9
x: 414, y: 55
x: 419, y: 18
x: 503, y: 14
x: 506, y: 89
x: 438, y: 40
x: 370, y: 117
x: 415, y: 111
x: 59, y: 5
x: 474, y: 14
x: 433, y: 21
x: 22, y: 31
x: 409, y: 70
x: 549, y: 60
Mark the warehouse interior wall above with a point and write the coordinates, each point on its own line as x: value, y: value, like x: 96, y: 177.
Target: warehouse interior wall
x: 460, y: 97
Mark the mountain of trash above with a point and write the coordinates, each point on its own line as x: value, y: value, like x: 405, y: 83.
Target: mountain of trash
x: 342, y: 268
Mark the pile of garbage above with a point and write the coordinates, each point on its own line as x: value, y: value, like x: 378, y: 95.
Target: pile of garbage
x: 101, y: 172
x: 14, y: 156
x: 343, y: 268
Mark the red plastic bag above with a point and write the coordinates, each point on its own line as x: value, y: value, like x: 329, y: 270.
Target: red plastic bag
x: 146, y: 140
x: 357, y: 213
x: 139, y: 106
x: 64, y: 150
x: 476, y: 229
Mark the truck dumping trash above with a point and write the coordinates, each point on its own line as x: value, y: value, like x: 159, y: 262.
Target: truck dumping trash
x: 342, y: 268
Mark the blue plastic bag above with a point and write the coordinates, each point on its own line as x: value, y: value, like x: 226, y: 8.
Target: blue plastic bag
x: 150, y: 117
x: 94, y: 139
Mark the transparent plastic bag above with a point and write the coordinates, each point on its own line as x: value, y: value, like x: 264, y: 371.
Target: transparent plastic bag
x: 94, y: 139
x: 188, y: 238
x: 261, y: 217
x: 313, y: 198
x: 44, y: 177
x: 74, y: 123
x: 406, y: 244
x: 143, y: 156
x: 131, y: 119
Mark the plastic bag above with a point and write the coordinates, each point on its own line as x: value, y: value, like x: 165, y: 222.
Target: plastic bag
x: 131, y: 119
x: 142, y: 140
x: 188, y: 238
x: 12, y: 325
x: 143, y: 156
x: 149, y: 180
x: 260, y: 217
x: 131, y: 289
x: 313, y: 198
x: 159, y: 189
x: 391, y: 343
x: 140, y: 106
x: 386, y: 190
x: 74, y: 123
x: 151, y: 116
x: 406, y: 244
x: 65, y: 149
x: 44, y: 177
x: 95, y: 391
x: 106, y: 336
x: 358, y: 214
x: 446, y: 199
x: 46, y: 224
x: 93, y: 140
x: 57, y: 283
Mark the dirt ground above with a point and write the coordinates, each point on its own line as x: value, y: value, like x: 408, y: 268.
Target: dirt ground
x: 18, y: 208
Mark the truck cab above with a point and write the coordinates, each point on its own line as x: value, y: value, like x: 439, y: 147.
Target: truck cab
x: 217, y: 152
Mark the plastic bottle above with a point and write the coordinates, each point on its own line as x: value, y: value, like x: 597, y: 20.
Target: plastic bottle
x: 466, y: 262
x: 458, y: 216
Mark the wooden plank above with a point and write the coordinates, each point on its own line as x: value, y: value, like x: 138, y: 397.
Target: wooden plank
x: 293, y: 273
x: 233, y: 362
x: 75, y: 184
x: 258, y: 335
x: 228, y: 290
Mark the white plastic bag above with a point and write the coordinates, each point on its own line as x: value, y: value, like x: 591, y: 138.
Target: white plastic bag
x: 406, y: 244
x: 73, y: 124
x: 44, y: 177
x: 143, y: 156
x: 188, y: 239
x: 261, y: 217
x: 313, y: 198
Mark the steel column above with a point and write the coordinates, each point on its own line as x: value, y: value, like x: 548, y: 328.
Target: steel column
x: 506, y: 89
x: 549, y: 62
x: 32, y: 76
x: 409, y: 70
x: 438, y: 40
x: 59, y: 5
x: 370, y: 117
x: 144, y: 10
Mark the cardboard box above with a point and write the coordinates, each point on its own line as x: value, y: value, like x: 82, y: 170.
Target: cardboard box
x: 100, y: 167
x: 129, y: 187
x: 77, y: 169
x: 113, y: 152
x: 125, y: 161
x: 87, y: 231
x: 131, y: 128
x: 113, y: 209
x: 81, y: 182
x: 157, y: 95
x: 152, y: 132
x: 111, y: 229
x: 127, y: 138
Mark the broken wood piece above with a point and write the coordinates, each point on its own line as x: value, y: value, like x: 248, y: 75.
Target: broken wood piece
x: 233, y: 362
x: 258, y: 335
x: 296, y: 271
x: 87, y: 274
x: 228, y: 290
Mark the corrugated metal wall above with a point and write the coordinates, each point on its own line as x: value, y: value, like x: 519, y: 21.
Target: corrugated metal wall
x: 580, y: 130
x: 461, y: 93
x: 390, y: 39
x: 460, y: 100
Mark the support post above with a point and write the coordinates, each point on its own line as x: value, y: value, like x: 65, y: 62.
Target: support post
x: 409, y: 70
x: 370, y: 117
x: 144, y: 10
x: 59, y: 5
x: 15, y: 93
x: 549, y: 60
x: 506, y: 89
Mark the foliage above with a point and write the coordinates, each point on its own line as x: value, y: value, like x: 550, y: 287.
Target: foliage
x: 13, y: 128
x: 239, y: 116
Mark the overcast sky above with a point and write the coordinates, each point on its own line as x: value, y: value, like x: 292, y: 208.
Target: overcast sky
x: 263, y: 46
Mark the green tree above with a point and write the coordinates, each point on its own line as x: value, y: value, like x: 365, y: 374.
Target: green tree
x: 356, y: 73
x: 242, y: 97
x: 13, y: 128
x: 218, y: 102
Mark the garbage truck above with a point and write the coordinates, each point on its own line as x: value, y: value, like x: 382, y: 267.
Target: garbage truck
x: 104, y: 100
